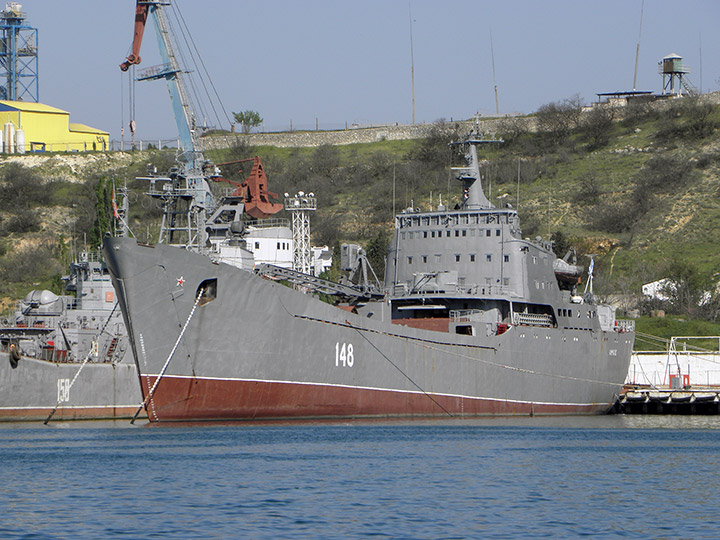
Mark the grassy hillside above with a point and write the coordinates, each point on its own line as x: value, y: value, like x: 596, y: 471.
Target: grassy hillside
x: 639, y: 191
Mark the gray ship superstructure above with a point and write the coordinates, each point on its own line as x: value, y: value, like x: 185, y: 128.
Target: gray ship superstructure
x: 52, y: 338
x: 472, y: 321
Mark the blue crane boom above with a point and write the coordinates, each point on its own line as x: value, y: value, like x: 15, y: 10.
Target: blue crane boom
x: 191, y: 181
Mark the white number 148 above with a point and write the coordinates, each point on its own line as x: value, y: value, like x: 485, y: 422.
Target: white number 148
x: 344, y: 355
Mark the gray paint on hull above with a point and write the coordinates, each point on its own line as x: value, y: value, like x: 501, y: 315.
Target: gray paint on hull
x: 29, y: 391
x: 259, y: 330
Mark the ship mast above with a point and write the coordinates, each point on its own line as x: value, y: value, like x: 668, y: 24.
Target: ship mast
x: 473, y: 195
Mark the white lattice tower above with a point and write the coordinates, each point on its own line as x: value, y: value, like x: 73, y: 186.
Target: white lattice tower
x: 300, y: 205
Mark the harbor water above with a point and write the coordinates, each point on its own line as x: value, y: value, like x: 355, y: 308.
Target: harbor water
x: 567, y: 477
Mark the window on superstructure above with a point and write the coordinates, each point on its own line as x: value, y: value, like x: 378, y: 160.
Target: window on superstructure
x: 472, y: 257
x: 447, y: 233
x: 278, y: 245
x: 488, y: 257
x: 402, y: 236
x: 488, y: 232
x: 257, y: 245
x: 409, y: 260
x: 432, y: 234
x: 506, y: 281
x: 457, y: 232
x: 464, y: 232
x: 424, y: 234
x: 457, y: 257
x: 438, y: 258
x: 424, y: 259
x: 410, y: 236
x: 497, y: 232
x: 472, y: 232
x: 506, y: 258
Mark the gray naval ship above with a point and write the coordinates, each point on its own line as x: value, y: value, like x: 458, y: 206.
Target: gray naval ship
x: 68, y: 353
x: 473, y: 319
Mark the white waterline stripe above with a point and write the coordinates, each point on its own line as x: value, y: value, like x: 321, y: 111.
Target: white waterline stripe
x: 67, y: 407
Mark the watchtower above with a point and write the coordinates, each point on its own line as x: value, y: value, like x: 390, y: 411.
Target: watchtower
x: 673, y: 73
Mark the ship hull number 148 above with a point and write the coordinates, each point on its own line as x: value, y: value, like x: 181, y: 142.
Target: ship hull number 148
x: 344, y: 355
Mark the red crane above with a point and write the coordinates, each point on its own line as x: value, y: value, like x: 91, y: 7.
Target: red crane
x: 141, y: 13
x: 254, y: 191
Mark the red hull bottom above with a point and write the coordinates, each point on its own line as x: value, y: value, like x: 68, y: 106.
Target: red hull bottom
x: 66, y: 413
x: 211, y: 399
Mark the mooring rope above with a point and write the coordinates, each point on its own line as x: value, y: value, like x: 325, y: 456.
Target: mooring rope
x: 87, y: 358
x: 393, y: 364
x: 167, y: 362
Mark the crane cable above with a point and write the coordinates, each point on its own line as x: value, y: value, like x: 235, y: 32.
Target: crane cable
x: 190, y: 43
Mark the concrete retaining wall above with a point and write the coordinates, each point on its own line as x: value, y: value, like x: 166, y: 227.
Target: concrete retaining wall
x: 348, y: 136
x: 390, y: 132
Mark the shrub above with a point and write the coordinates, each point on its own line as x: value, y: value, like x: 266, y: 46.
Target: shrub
x: 687, y: 118
x: 557, y: 120
x: 638, y: 110
x: 663, y: 173
x: 589, y: 193
x: 512, y: 129
x: 598, y: 126
x: 21, y: 188
x: 29, y: 265
x: 611, y: 218
x: 433, y: 150
x: 24, y: 221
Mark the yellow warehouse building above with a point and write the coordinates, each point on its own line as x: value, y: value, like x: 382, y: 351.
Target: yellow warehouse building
x: 46, y: 128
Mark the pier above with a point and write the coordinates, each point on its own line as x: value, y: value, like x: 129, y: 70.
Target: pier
x: 687, y: 400
x: 685, y: 379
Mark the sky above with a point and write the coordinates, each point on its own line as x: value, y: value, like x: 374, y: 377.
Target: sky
x: 338, y: 62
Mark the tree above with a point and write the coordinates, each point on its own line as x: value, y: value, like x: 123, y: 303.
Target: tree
x: 561, y: 244
x: 557, y: 120
x: 247, y: 120
x: 103, y: 211
x: 686, y: 287
x: 377, y: 251
x: 598, y: 126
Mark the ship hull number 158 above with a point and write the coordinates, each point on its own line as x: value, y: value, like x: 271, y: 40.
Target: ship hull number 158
x: 344, y: 355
